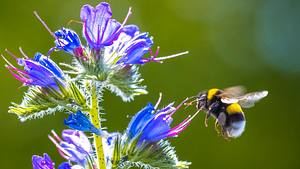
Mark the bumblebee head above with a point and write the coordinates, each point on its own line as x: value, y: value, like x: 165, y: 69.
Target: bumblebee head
x: 235, y: 125
x: 202, y: 100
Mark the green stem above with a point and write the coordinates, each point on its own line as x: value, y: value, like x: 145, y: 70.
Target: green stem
x: 95, y: 118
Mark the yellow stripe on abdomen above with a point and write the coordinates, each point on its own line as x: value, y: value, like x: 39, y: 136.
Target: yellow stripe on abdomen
x: 234, y: 108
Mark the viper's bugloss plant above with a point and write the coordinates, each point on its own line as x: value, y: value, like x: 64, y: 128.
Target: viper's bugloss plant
x: 107, y: 58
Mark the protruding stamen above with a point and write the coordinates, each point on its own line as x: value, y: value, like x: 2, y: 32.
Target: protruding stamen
x: 11, y: 65
x: 158, y: 101
x: 156, y: 52
x: 51, y: 50
x: 11, y: 54
x: 44, y: 24
x: 59, y: 147
x: 23, y: 53
x: 184, y: 124
x: 170, y: 115
x: 127, y: 16
x: 56, y: 136
x: 171, y: 56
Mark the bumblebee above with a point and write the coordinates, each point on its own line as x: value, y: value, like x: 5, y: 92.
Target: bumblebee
x: 226, y: 107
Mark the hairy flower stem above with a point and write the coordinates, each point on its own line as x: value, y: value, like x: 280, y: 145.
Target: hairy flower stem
x: 95, y: 118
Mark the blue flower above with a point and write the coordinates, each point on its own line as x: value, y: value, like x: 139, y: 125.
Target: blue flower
x: 99, y: 29
x: 68, y: 41
x: 80, y: 121
x: 39, y: 162
x: 133, y: 45
x: 138, y: 122
x: 66, y: 165
x: 40, y: 71
x: 73, y: 146
x: 150, y: 125
x: 48, y: 63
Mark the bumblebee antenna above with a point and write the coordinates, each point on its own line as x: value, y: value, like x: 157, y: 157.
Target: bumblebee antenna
x: 191, y: 102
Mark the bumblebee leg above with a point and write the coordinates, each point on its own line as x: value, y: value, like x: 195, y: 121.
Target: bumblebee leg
x: 217, y: 127
x: 206, y: 119
x: 225, y: 134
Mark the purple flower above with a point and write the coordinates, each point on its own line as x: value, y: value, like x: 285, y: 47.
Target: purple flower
x: 131, y: 46
x: 40, y: 71
x: 150, y: 125
x: 39, y: 162
x: 68, y: 41
x: 99, y: 29
x: 73, y: 146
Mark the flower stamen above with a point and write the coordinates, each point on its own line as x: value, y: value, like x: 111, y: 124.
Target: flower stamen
x: 44, y: 24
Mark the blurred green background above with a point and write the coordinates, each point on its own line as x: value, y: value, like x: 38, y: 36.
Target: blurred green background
x: 231, y: 42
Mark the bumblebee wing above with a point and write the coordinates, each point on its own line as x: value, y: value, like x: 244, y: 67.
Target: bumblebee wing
x: 249, y: 99
x: 231, y: 94
x: 229, y: 100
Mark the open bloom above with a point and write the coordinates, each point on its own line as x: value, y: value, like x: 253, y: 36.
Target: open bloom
x: 74, y: 145
x: 130, y: 47
x: 99, y: 29
x: 39, y: 162
x: 40, y: 71
x: 151, y: 125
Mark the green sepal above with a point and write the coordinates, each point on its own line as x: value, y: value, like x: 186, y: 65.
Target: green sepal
x: 77, y: 95
x: 126, y: 83
x: 38, y: 101
x: 147, y: 155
